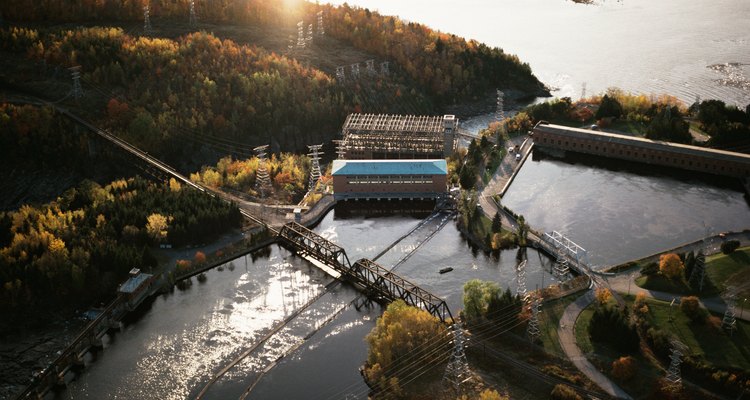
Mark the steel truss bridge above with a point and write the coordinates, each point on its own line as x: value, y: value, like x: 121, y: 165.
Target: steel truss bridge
x: 374, y: 280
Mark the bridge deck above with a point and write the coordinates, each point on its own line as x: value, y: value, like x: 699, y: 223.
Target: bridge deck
x: 370, y: 277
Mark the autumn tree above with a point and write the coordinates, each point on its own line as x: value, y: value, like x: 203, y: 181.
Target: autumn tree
x: 603, y: 296
x: 200, y: 257
x: 402, y: 330
x: 671, y: 266
x: 691, y: 307
x: 156, y: 227
x: 564, y: 392
x: 624, y: 368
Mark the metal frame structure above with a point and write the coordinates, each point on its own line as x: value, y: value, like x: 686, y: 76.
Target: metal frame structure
x: 574, y: 251
x: 375, y: 280
x: 75, y: 73
x: 315, y: 152
x: 315, y: 246
x: 389, y: 286
x: 401, y: 134
x: 147, y: 20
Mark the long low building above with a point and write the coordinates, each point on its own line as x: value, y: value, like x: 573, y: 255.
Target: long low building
x: 643, y: 150
x: 389, y: 179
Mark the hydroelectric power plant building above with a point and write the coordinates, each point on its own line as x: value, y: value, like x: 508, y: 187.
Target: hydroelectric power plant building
x: 383, y: 136
x: 389, y: 179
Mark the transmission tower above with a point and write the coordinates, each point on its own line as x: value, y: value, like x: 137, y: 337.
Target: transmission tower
x: 290, y: 46
x: 77, y: 91
x: 500, y: 112
x: 457, y: 371
x: 699, y: 271
x: 532, y: 329
x: 321, y: 28
x: 340, y: 74
x: 384, y: 68
x: 674, y: 376
x: 729, y: 323
x: 315, y: 167
x: 309, y: 37
x: 583, y: 90
x: 262, y: 180
x: 193, y: 17
x: 340, y: 149
x: 147, y: 20
x: 521, y: 280
x: 355, y: 70
x: 370, y: 67
x: 301, y: 35
x: 561, y: 269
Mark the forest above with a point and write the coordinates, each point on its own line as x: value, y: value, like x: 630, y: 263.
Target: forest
x: 288, y: 174
x: 77, y: 249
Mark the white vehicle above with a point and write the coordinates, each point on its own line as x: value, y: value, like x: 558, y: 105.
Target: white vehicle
x: 510, y: 150
x: 518, y: 156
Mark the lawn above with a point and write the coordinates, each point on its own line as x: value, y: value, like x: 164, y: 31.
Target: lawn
x: 549, y: 320
x: 661, y: 283
x: 734, y: 268
x: 712, y: 344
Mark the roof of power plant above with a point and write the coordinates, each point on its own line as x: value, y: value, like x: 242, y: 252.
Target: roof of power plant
x: 389, y: 167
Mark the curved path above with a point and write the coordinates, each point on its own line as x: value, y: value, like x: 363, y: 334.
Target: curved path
x: 567, y: 336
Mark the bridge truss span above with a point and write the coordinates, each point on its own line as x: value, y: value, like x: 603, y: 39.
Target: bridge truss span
x: 374, y: 280
x: 389, y: 286
x: 568, y: 247
x: 315, y: 246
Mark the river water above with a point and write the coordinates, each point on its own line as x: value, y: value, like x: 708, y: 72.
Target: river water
x: 683, y: 48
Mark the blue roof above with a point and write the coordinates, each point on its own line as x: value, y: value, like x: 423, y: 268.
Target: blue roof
x: 132, y: 284
x: 389, y: 167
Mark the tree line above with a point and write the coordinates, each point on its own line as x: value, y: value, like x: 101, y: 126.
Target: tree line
x: 78, y: 248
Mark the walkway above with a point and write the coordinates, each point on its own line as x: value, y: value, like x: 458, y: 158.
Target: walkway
x: 501, y: 181
x: 567, y: 335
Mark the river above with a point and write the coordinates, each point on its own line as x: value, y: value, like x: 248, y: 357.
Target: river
x: 683, y: 48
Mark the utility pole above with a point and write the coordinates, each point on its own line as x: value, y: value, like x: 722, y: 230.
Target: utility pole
x: 262, y: 179
x: 532, y: 329
x: 500, y: 111
x: 193, y: 17
x: 729, y: 322
x: 674, y: 376
x: 340, y: 148
x: 147, y: 20
x: 355, y: 70
x: 340, y: 74
x: 315, y: 167
x: 457, y: 371
x: 583, y: 90
x: 321, y: 28
x: 77, y: 91
x: 384, y: 68
x: 309, y: 37
x: 301, y: 35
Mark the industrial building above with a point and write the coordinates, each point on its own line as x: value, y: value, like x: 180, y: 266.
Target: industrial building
x: 389, y: 179
x: 643, y: 150
x: 382, y: 136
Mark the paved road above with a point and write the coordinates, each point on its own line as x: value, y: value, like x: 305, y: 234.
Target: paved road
x: 504, y: 172
x: 567, y: 336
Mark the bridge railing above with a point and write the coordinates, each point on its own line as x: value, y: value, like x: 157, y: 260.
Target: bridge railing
x: 315, y: 246
x: 390, y: 286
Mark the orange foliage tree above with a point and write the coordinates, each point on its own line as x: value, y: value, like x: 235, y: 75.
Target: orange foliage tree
x: 671, y: 266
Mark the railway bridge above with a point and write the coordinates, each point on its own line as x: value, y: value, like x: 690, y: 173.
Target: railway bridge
x: 374, y: 280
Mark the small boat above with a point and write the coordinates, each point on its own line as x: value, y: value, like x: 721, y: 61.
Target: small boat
x: 446, y: 269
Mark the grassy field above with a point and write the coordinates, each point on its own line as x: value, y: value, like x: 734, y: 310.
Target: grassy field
x: 549, y: 321
x: 732, y: 269
x: 721, y: 269
x: 705, y: 341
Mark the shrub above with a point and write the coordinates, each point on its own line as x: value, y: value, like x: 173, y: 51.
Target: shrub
x: 603, y: 295
x: 691, y: 307
x: 611, y: 325
x: 650, y: 269
x: 671, y: 266
x: 730, y: 246
x: 563, y: 392
x: 624, y: 368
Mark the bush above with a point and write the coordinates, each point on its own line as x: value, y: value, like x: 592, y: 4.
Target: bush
x: 730, y: 246
x: 691, y: 307
x: 563, y: 392
x: 624, y: 368
x: 650, y: 269
x: 611, y: 325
